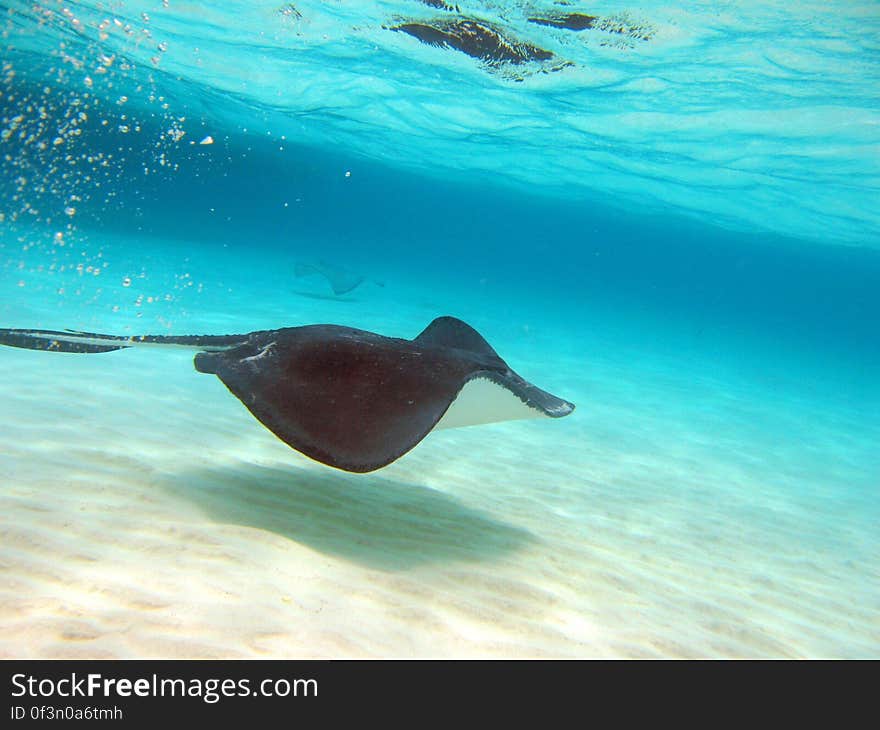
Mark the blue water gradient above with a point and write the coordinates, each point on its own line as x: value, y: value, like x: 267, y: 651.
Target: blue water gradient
x: 693, y: 205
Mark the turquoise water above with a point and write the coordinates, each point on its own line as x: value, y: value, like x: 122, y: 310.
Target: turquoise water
x: 671, y: 222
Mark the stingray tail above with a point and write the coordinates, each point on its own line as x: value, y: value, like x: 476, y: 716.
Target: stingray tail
x: 90, y: 342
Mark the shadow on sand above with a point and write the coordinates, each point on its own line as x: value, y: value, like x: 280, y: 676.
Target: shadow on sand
x: 370, y: 520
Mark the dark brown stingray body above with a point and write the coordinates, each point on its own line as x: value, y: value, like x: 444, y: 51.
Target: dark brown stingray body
x: 349, y: 398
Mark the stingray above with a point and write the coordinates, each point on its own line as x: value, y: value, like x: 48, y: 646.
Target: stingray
x: 348, y: 398
x: 341, y: 281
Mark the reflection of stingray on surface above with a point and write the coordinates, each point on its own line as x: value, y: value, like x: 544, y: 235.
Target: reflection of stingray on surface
x: 341, y: 280
x: 379, y: 523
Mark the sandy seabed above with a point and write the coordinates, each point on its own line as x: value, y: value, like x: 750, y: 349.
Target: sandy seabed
x: 682, y: 511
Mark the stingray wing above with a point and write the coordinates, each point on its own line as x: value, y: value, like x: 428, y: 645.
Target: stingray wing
x: 351, y: 399
x: 494, y: 392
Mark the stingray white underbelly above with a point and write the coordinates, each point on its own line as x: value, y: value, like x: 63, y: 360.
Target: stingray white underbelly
x: 483, y: 401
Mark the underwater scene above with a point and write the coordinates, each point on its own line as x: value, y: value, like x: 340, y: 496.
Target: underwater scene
x: 598, y: 366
